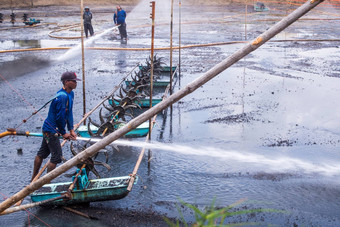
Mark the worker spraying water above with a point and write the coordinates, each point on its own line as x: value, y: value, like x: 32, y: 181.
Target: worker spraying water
x: 119, y: 19
x: 60, y: 114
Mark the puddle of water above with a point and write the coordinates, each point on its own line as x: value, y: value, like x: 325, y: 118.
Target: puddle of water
x: 300, y: 34
x: 285, y: 35
x: 322, y: 53
x: 18, y: 44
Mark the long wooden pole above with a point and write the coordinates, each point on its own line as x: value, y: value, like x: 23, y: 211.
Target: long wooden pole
x: 191, y: 87
x: 171, y: 32
x: 70, y: 189
x: 179, y: 41
x: 141, y: 155
x: 83, y: 56
x: 79, y: 213
x: 30, y: 205
x: 245, y: 21
x: 153, y: 5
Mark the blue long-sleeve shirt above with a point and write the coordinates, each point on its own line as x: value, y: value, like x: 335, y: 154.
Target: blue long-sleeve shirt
x: 119, y: 17
x: 87, y: 16
x: 60, y: 113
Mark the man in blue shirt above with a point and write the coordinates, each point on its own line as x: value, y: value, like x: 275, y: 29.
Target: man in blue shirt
x: 119, y: 19
x: 59, y: 116
x: 87, y: 16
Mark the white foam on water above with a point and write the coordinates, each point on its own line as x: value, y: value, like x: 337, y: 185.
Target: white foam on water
x: 141, y: 13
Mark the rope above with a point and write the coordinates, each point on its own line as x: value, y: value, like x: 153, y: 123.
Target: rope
x: 3, y: 195
x: 23, y: 99
x: 28, y: 220
x: 28, y: 104
x: 28, y: 213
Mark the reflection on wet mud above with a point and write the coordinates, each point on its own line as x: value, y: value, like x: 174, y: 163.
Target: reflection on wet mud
x: 13, y: 44
x: 27, y: 64
x: 237, y: 118
x: 28, y: 43
x: 269, y: 176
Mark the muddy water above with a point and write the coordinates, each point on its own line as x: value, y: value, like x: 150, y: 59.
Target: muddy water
x: 266, y: 130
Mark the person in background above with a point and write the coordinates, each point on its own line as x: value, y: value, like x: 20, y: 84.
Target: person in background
x: 59, y: 116
x: 119, y: 19
x: 87, y: 16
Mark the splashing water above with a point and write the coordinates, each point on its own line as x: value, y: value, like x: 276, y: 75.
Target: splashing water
x: 141, y: 13
x: 77, y: 49
x: 276, y: 163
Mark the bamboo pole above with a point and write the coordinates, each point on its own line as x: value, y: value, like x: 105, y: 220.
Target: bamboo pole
x: 139, y: 160
x: 245, y: 21
x: 70, y: 189
x: 106, y: 98
x: 153, y: 5
x: 171, y: 31
x: 189, y: 88
x: 80, y: 213
x: 179, y: 41
x: 173, y: 75
x: 140, y: 157
x: 30, y: 205
x: 112, y: 120
x: 35, y: 178
x: 83, y: 56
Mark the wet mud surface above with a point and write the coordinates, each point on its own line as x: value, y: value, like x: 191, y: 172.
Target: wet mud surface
x: 265, y: 131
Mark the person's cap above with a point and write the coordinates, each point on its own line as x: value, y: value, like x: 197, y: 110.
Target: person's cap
x: 86, y: 7
x: 69, y: 76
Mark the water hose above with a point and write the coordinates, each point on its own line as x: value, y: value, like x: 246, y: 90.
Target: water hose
x: 13, y: 132
x: 166, y: 48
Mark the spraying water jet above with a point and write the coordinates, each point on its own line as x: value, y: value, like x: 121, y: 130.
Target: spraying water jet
x: 71, y: 53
